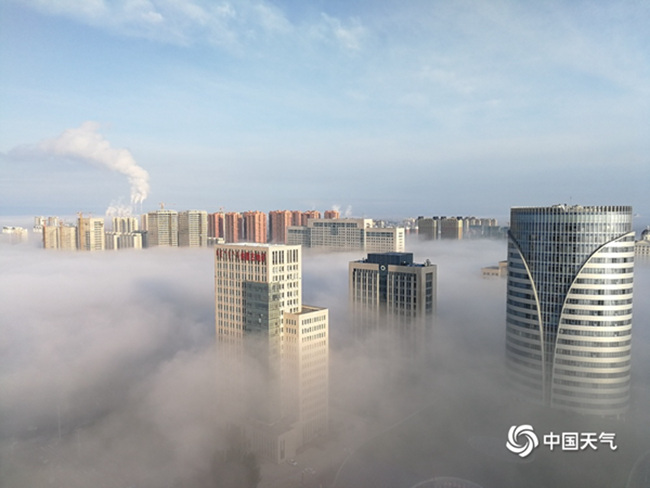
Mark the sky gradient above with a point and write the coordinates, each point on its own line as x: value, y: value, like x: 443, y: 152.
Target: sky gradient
x: 423, y: 108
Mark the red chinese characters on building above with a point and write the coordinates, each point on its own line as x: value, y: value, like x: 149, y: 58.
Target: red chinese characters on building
x: 237, y: 255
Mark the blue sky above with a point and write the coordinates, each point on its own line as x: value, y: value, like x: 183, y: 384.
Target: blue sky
x: 392, y: 108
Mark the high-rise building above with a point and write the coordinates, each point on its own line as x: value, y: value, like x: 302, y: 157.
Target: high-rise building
x: 193, y: 228
x: 67, y: 237
x: 260, y: 315
x: 309, y: 214
x: 347, y: 235
x: 427, y: 228
x: 569, y: 306
x: 279, y: 223
x: 389, y: 291
x: 332, y: 214
x: 234, y: 224
x: 90, y: 234
x: 642, y: 246
x: 124, y: 225
x: 130, y: 240
x: 15, y: 234
x: 162, y: 228
x: 216, y: 225
x: 254, y: 227
x: 451, y: 228
x: 296, y: 217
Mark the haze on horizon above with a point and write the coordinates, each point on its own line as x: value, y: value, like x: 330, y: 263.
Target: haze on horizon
x: 429, y: 107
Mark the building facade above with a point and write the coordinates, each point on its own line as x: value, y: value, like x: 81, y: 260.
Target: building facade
x: 216, y: 225
x: 90, y: 234
x: 642, y: 246
x: 569, y: 306
x: 279, y: 223
x: 162, y: 228
x: 193, y: 228
x: 389, y: 292
x: 262, y: 323
x: 254, y: 227
x: 233, y: 227
x: 347, y: 235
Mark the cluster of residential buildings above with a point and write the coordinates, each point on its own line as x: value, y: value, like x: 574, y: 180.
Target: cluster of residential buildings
x: 197, y: 228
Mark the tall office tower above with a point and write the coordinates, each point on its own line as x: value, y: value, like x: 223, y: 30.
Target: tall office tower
x: 451, y: 228
x: 309, y: 214
x: 90, y: 234
x: 216, y: 223
x: 569, y: 307
x: 388, y: 291
x: 260, y: 320
x: 193, y: 228
x: 124, y: 225
x: 332, y: 214
x: 233, y: 226
x: 279, y: 223
x: 162, y: 228
x: 427, y: 228
x: 347, y: 235
x: 254, y: 227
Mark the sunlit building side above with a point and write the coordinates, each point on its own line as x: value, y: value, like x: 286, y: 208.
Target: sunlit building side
x: 261, y: 322
x: 193, y: 228
x: 90, y: 234
x: 162, y: 228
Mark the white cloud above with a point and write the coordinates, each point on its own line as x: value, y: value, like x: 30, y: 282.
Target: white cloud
x: 348, y: 36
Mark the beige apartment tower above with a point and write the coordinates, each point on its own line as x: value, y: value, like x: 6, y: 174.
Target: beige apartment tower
x: 90, y: 234
x: 162, y: 228
x: 262, y: 325
x: 193, y: 228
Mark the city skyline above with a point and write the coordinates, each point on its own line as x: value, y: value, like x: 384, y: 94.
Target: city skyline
x: 390, y: 110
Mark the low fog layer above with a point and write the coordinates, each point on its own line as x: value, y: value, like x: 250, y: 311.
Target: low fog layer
x: 109, y: 377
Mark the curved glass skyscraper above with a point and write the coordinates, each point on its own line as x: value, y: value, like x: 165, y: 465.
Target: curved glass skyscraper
x: 569, y: 307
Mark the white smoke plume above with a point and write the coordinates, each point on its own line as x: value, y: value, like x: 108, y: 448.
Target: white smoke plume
x: 119, y: 209
x: 86, y: 144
